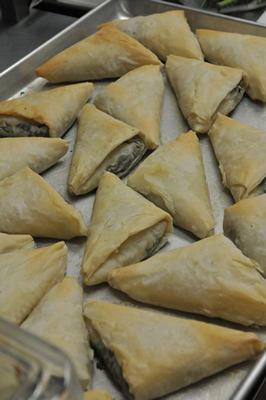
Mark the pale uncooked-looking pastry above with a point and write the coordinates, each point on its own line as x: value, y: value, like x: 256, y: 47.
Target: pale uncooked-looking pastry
x: 173, y: 178
x: 163, y: 33
x: 30, y: 205
x: 103, y: 143
x: 151, y: 354
x: 26, y: 276
x: 100, y: 394
x: 136, y: 99
x: 125, y: 228
x: 58, y: 319
x: 236, y: 50
x: 203, y: 89
x: 48, y: 113
x: 37, y: 153
x: 108, y: 53
x: 210, y: 277
x: 245, y: 224
x: 240, y: 150
x: 13, y: 243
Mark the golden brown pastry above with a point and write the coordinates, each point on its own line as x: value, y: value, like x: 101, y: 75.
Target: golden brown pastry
x: 47, y: 113
x: 203, y: 89
x: 136, y: 99
x: 151, y: 354
x: 30, y: 205
x: 125, y: 228
x: 238, y: 51
x: 240, y: 150
x: 102, y: 144
x: 173, y: 178
x: 108, y: 53
x: 37, y: 153
x: 99, y: 394
x: 210, y: 277
x: 13, y: 243
x: 163, y: 33
x: 26, y: 276
x: 245, y: 224
x: 58, y: 319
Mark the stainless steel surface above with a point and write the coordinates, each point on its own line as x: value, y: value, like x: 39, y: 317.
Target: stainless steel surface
x: 21, y: 78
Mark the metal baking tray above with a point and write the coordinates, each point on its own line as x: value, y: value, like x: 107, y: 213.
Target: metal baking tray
x: 20, y: 78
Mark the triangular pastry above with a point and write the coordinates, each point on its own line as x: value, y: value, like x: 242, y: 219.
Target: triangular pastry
x: 102, y: 144
x: 210, y: 277
x: 125, y: 228
x: 100, y: 394
x: 240, y: 150
x: 26, y: 276
x: 48, y: 113
x: 203, y: 90
x: 58, y: 319
x: 37, y: 153
x: 163, y: 33
x: 236, y: 50
x: 245, y: 224
x: 108, y: 53
x: 30, y: 205
x: 13, y: 243
x: 151, y: 354
x: 136, y: 99
x: 173, y: 178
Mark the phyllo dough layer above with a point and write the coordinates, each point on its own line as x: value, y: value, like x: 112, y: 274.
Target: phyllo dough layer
x: 125, y: 228
x: 58, y: 319
x: 26, y: 276
x: 136, y: 99
x: 173, y: 178
x: 245, y: 224
x: 108, y: 53
x: 163, y: 33
x: 47, y: 113
x: 100, y: 394
x: 103, y: 143
x: 210, y: 277
x: 238, y: 51
x: 30, y: 205
x: 37, y: 153
x: 156, y: 354
x: 203, y: 89
x: 13, y: 243
x: 240, y: 150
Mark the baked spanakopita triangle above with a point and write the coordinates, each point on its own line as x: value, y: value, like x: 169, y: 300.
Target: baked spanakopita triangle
x: 48, y: 113
x: 58, y: 319
x: 26, y: 276
x: 236, y: 50
x: 100, y: 394
x: 108, y: 53
x: 240, y: 150
x: 210, y: 277
x: 103, y: 143
x: 163, y: 33
x: 245, y: 224
x: 173, y: 178
x: 136, y: 99
x: 13, y: 243
x: 151, y: 354
x: 125, y: 227
x: 37, y: 153
x: 203, y: 89
x: 30, y: 205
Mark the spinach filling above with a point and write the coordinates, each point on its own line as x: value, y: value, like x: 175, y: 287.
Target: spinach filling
x: 12, y: 127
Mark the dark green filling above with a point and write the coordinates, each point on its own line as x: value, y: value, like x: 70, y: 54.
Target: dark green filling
x: 115, y: 369
x: 23, y: 129
x: 127, y: 157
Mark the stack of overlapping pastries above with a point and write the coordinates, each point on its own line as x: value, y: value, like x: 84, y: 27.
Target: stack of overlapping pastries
x: 112, y: 130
